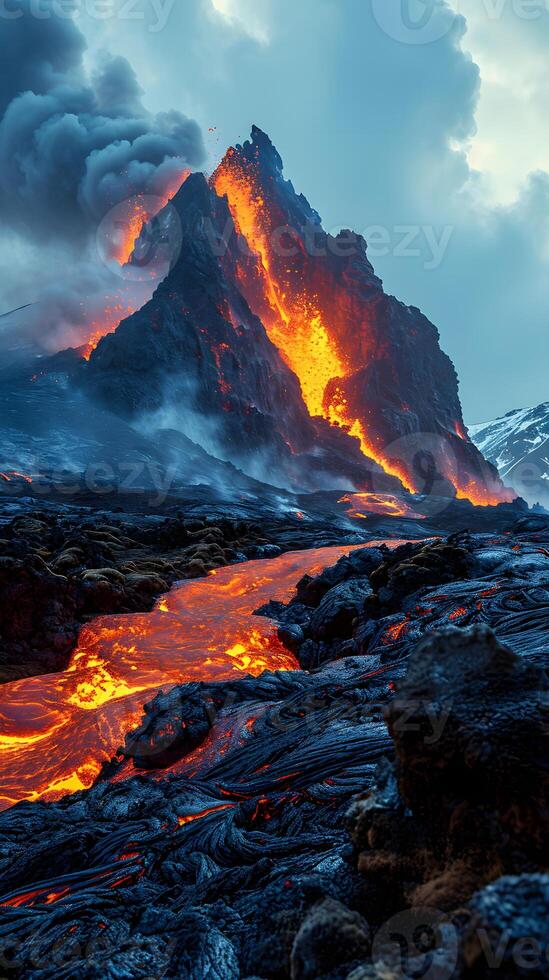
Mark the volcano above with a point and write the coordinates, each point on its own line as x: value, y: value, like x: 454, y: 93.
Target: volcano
x: 277, y: 341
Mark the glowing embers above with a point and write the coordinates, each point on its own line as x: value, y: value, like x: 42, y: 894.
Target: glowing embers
x: 116, y: 309
x: 482, y: 494
x: 12, y: 476
x: 460, y: 431
x: 58, y: 729
x: 191, y: 817
x: 292, y: 316
x: 137, y: 215
x: 363, y: 505
x: 131, y: 216
x: 293, y: 313
x: 118, y: 236
x: 396, y: 632
x: 71, y: 885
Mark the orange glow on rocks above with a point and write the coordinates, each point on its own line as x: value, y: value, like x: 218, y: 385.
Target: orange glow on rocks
x: 294, y: 316
x: 117, y: 309
x: 294, y: 320
x: 137, y: 218
x: 58, y: 729
x: 460, y: 431
x: 183, y: 821
x: 324, y: 309
x: 132, y: 216
x: 139, y: 210
x: 363, y: 505
x: 12, y: 475
x: 481, y: 495
x: 396, y: 632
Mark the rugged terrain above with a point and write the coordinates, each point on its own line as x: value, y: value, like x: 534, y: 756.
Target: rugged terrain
x: 388, y: 800
x: 278, y: 343
x: 249, y: 536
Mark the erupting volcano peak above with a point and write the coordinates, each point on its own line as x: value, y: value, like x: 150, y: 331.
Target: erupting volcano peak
x: 306, y: 309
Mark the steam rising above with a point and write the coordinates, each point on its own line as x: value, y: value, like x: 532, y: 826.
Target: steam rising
x: 73, y: 145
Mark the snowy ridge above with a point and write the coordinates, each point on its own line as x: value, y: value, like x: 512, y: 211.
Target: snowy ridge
x: 518, y: 444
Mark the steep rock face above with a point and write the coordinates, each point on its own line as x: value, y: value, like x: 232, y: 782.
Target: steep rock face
x: 364, y: 360
x: 190, y: 345
x: 278, y: 342
x: 198, y: 353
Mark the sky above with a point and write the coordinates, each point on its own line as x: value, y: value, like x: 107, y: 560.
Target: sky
x: 420, y: 123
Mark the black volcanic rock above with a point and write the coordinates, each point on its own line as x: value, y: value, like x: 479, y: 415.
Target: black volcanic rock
x: 486, y: 766
x: 235, y: 861
x: 196, y: 350
x: 260, y: 301
x: 398, y: 383
x: 196, y: 344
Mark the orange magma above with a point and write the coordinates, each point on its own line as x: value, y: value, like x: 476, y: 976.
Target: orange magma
x: 116, y: 310
x: 295, y: 323
x: 363, y: 505
x: 57, y: 730
x: 132, y: 216
x: 12, y: 475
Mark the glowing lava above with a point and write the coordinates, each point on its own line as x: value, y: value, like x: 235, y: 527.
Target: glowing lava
x: 294, y: 318
x: 295, y: 322
x: 58, y: 729
x: 131, y: 217
x: 481, y: 495
x: 362, y: 505
x: 137, y: 217
x: 12, y: 475
x: 321, y: 325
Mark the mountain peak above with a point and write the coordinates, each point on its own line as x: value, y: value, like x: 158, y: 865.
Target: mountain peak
x: 263, y: 148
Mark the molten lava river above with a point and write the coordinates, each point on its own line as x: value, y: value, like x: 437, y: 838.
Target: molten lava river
x: 57, y: 730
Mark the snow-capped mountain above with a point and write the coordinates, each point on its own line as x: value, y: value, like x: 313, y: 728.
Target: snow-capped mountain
x: 518, y: 444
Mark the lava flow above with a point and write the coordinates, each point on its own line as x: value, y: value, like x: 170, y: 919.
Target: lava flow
x: 363, y: 505
x: 58, y: 729
x: 294, y: 322
x: 325, y: 327
x: 293, y: 316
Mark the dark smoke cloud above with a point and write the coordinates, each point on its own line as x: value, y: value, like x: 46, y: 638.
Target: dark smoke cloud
x: 73, y: 146
x: 37, y: 55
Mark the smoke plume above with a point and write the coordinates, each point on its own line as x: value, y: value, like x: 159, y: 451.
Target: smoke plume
x: 74, y: 145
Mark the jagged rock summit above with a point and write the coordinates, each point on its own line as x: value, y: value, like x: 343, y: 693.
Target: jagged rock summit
x: 274, y: 344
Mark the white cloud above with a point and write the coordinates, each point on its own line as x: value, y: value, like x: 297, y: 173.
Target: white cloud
x: 250, y: 16
x: 509, y: 40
